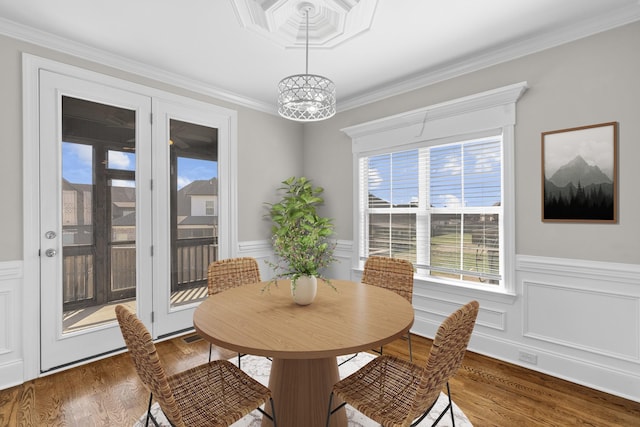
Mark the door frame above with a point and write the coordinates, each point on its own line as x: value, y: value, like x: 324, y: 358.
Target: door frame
x: 31, y: 300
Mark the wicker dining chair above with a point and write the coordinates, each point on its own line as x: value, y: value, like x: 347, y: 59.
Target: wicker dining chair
x: 397, y: 393
x: 393, y: 274
x: 230, y: 273
x: 217, y: 393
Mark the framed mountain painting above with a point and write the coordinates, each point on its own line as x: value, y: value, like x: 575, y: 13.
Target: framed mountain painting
x: 579, y: 174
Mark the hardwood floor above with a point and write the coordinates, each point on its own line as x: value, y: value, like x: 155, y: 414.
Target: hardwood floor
x: 490, y: 392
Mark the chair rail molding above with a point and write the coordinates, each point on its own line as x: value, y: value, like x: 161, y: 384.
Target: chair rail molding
x: 263, y: 252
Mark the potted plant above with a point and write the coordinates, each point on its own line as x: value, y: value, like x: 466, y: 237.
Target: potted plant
x: 300, y: 237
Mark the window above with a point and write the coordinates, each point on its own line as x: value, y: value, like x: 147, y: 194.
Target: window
x: 435, y: 187
x: 209, y: 208
x: 450, y: 229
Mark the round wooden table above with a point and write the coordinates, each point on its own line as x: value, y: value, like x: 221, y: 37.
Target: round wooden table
x: 303, y: 341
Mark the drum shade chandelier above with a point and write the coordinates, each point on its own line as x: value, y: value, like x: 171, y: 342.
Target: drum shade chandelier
x: 306, y: 97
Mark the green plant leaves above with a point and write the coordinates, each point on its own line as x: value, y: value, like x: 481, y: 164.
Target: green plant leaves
x: 300, y: 236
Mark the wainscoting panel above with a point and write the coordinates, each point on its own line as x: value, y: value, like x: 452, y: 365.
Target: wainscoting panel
x: 438, y: 309
x: 11, y: 362
x: 6, y: 315
x: 583, y: 319
x: 574, y: 319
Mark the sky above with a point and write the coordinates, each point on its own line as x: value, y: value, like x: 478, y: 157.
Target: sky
x: 77, y: 164
x: 395, y: 176
x: 595, y: 145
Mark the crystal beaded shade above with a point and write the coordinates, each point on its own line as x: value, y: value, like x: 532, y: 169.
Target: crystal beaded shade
x: 306, y: 97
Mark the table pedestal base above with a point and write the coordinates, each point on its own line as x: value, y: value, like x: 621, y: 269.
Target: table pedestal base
x: 301, y: 391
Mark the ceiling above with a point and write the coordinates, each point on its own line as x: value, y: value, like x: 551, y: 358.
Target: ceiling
x: 238, y: 50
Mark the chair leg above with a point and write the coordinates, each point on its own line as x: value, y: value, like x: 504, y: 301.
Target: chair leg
x: 346, y: 360
x: 273, y: 413
x: 272, y: 417
x: 331, y: 412
x: 149, y: 414
x: 149, y: 409
x: 449, y: 407
x: 453, y: 421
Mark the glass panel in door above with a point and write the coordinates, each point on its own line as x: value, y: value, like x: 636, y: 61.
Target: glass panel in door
x: 194, y: 208
x: 98, y: 212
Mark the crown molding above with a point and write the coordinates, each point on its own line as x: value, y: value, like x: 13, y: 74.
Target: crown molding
x: 102, y: 57
x: 479, y: 61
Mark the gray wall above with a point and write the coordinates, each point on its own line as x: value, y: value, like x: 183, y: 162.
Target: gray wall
x: 593, y: 80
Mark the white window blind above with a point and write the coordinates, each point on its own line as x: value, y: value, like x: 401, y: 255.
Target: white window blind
x: 438, y: 206
x: 391, y: 202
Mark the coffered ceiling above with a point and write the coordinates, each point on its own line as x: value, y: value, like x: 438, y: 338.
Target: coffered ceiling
x: 239, y: 50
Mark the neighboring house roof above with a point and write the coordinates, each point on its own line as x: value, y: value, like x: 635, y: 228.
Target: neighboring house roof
x: 69, y: 186
x: 204, y: 187
x: 125, y: 204
x: 199, y: 220
x: 201, y: 187
x: 129, y: 220
x: 123, y: 194
x: 125, y: 197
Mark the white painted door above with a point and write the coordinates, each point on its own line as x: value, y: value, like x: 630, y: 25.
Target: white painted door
x: 131, y: 210
x: 95, y: 215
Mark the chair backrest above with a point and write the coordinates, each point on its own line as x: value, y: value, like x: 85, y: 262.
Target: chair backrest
x: 147, y: 362
x: 390, y: 273
x: 229, y: 273
x: 447, y: 352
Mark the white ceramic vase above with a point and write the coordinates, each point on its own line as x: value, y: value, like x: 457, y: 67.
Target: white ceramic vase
x: 304, y: 291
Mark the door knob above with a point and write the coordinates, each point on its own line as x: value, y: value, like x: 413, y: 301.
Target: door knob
x: 50, y: 253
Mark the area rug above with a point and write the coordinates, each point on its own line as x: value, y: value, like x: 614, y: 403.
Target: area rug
x: 258, y: 367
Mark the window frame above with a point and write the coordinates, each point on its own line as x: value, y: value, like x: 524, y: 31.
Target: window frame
x: 476, y: 116
x: 422, y: 211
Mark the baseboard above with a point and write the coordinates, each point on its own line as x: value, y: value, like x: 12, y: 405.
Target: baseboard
x: 11, y: 374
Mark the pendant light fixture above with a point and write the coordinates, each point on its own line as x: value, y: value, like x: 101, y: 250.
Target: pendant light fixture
x: 306, y: 97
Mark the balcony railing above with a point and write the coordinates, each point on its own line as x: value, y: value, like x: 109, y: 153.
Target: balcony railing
x: 193, y: 257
